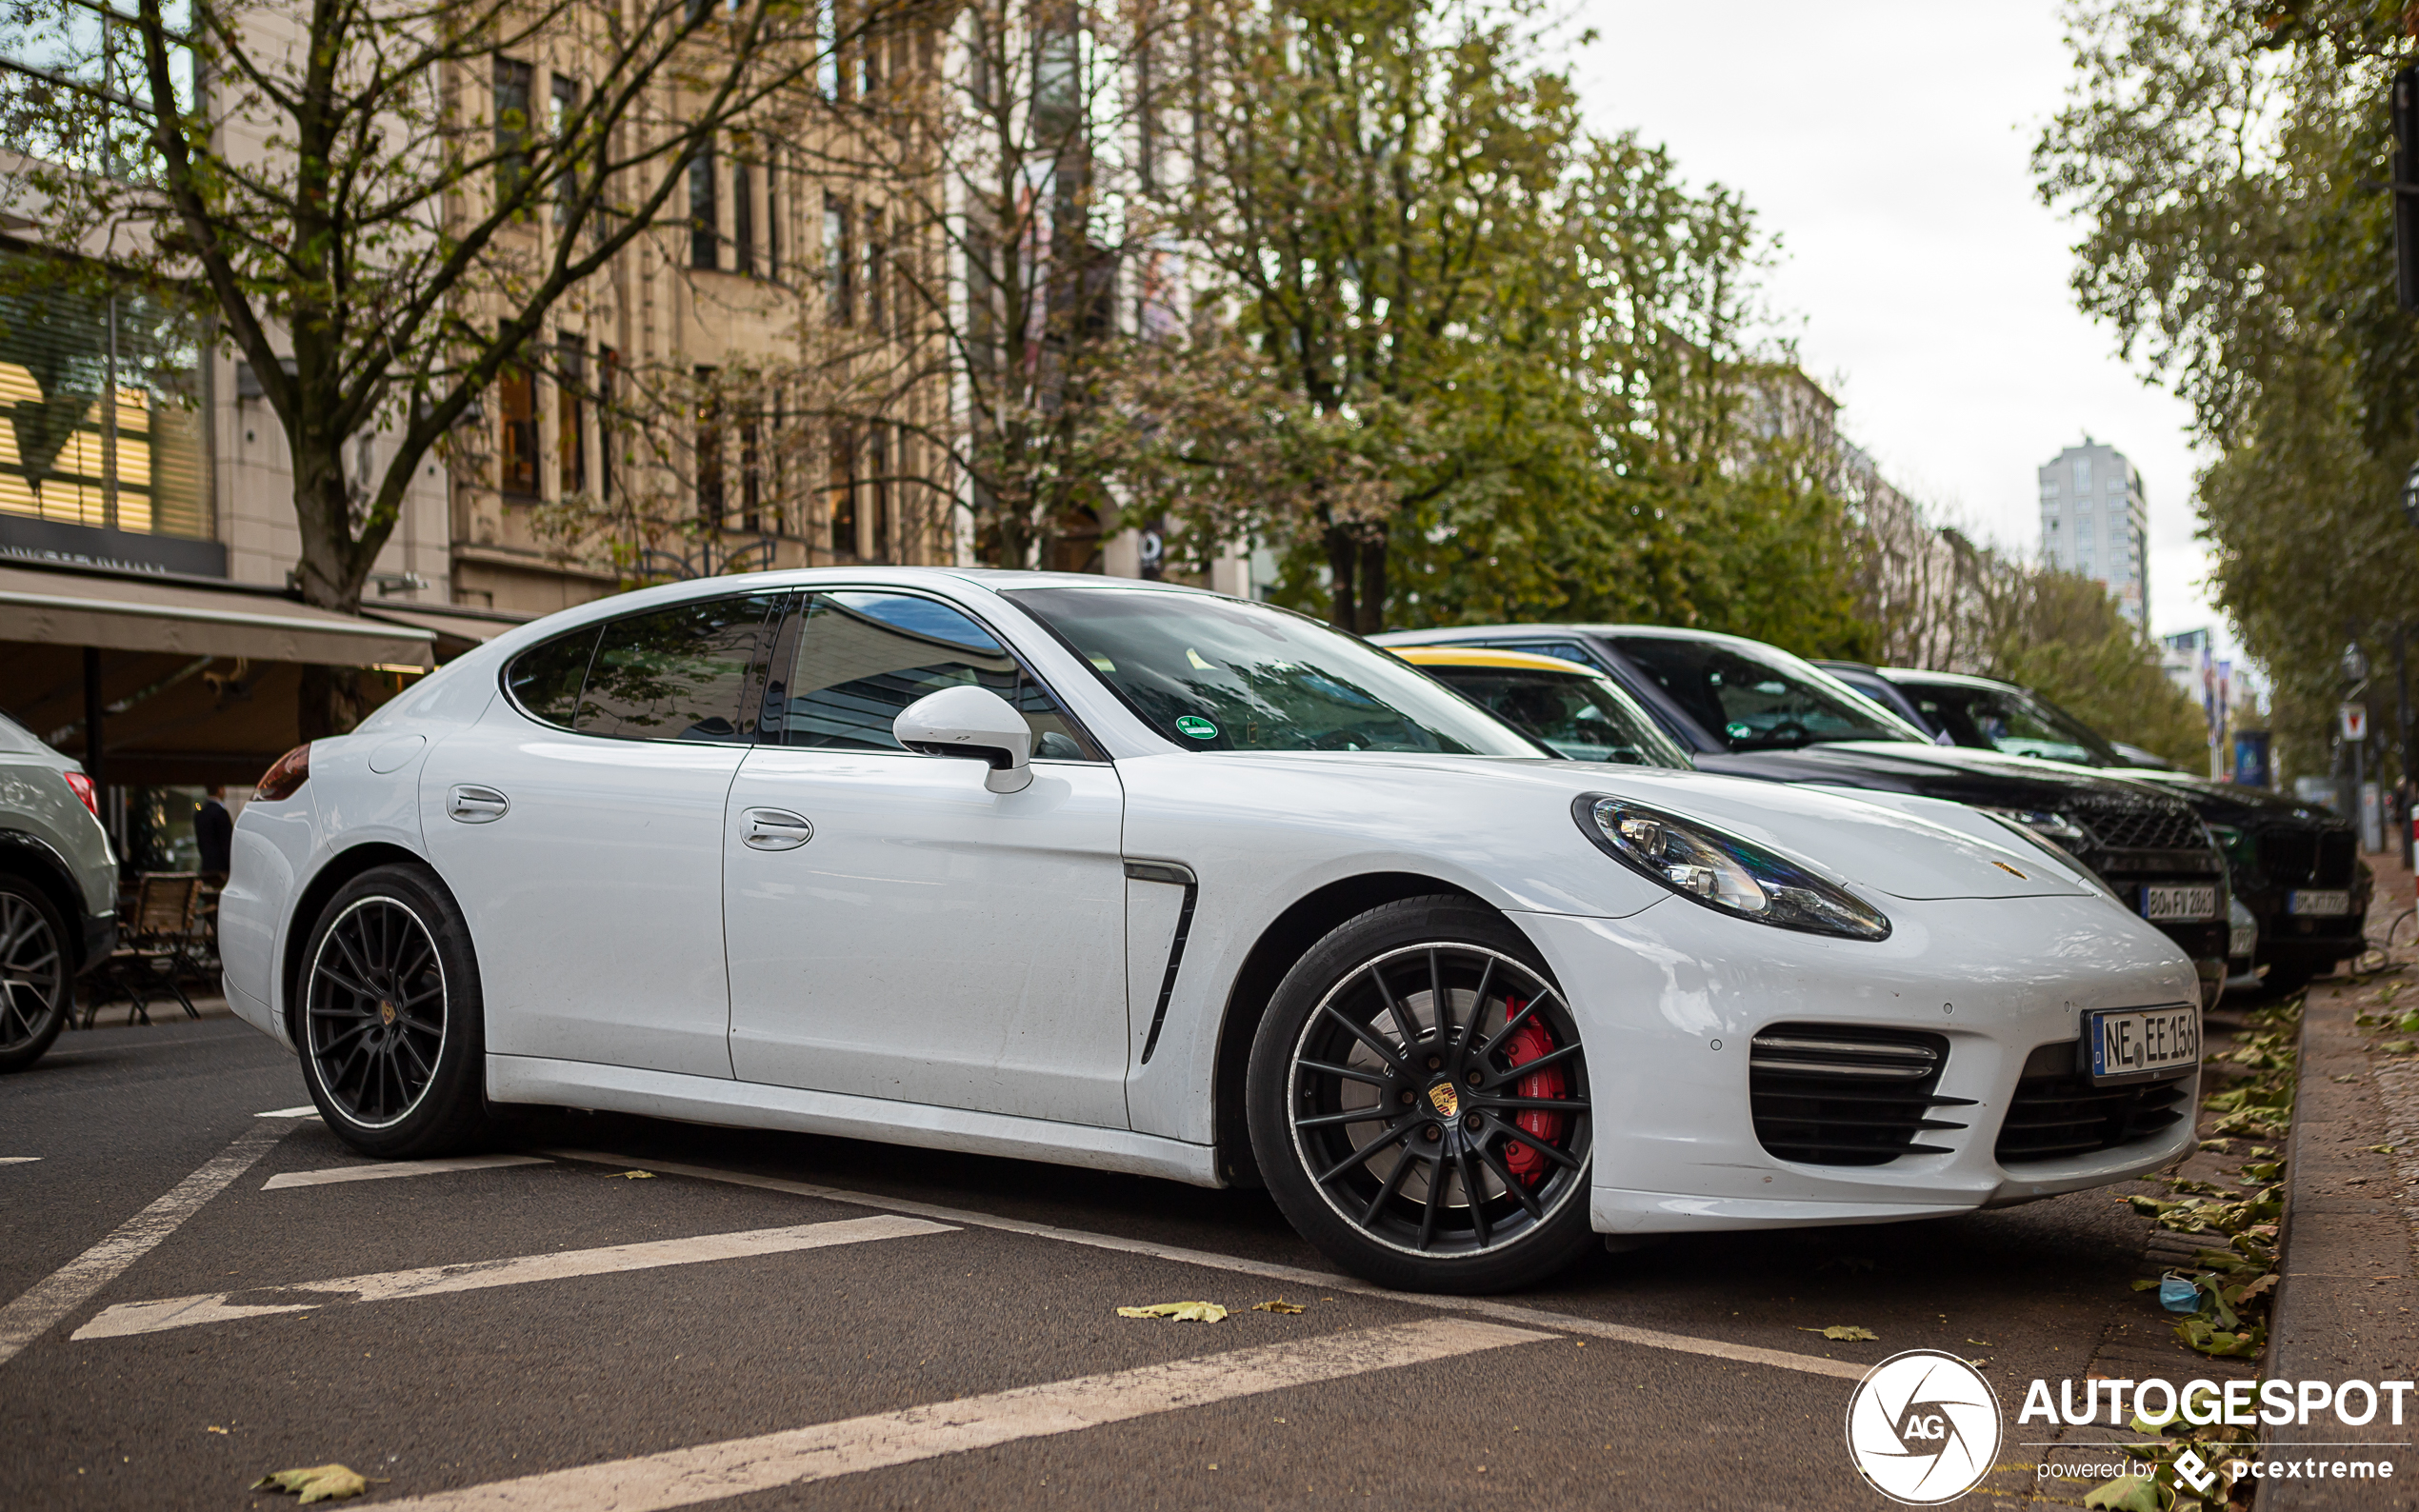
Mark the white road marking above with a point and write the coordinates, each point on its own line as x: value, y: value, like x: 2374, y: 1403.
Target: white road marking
x: 306, y: 1110
x: 709, y: 1472
x: 1509, y: 1312
x: 381, y: 1172
x: 18, y: 1160
x: 69, y: 1287
x: 185, y: 1312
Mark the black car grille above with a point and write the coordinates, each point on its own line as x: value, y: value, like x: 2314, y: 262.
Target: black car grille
x: 2298, y: 858
x: 2057, y: 1112
x: 1832, y: 1095
x: 2146, y: 825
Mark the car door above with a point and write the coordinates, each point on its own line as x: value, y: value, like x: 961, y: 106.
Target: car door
x: 579, y: 823
x: 896, y: 931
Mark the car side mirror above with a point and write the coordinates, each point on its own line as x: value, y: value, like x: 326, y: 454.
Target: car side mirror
x: 970, y: 721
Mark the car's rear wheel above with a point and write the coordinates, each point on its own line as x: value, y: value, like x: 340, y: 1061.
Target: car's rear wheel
x: 389, y: 1027
x: 37, y: 980
x: 1418, y: 1102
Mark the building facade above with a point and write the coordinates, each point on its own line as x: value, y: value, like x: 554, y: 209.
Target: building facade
x: 2096, y: 522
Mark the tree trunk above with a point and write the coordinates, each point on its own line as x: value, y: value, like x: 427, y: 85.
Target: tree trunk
x: 334, y: 565
x: 1372, y: 605
x: 1342, y: 562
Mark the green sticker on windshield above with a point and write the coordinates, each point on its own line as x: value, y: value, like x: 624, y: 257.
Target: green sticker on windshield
x: 1195, y: 726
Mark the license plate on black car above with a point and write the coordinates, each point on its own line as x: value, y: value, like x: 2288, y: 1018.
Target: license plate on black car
x: 2184, y: 904
x: 2324, y: 902
x: 2140, y: 1042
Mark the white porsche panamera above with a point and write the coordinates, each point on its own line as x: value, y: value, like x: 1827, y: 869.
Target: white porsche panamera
x: 1150, y: 880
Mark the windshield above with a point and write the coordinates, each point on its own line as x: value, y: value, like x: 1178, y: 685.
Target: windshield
x: 2010, y: 720
x: 1583, y: 717
x: 1755, y: 698
x: 1221, y: 674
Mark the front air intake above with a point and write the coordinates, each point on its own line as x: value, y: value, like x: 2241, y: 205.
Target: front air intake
x: 2057, y: 1112
x: 1825, y: 1094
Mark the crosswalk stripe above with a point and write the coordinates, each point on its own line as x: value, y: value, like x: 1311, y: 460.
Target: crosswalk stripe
x: 1291, y: 1275
x: 18, y: 1160
x: 186, y: 1312
x: 306, y: 1110
x: 391, y: 1168
x: 679, y: 1478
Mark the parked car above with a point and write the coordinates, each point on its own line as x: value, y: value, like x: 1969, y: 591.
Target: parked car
x: 58, y: 891
x: 1749, y: 709
x: 1146, y: 878
x: 2295, y: 868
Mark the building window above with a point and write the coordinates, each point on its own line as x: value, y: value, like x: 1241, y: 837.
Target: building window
x: 608, y: 361
x: 841, y: 494
x: 564, y: 105
x: 751, y: 500
x: 743, y: 216
x: 512, y: 124
x: 773, y: 217
x: 709, y: 493
x: 827, y: 39
x: 705, y: 216
x: 872, y: 271
x: 838, y: 301
x: 516, y: 400
x: 877, y: 471
x: 570, y: 414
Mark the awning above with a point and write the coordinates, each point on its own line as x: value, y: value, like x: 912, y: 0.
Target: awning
x: 185, y: 619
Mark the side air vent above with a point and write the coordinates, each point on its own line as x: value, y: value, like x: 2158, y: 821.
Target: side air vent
x: 2058, y: 1113
x: 1827, y: 1094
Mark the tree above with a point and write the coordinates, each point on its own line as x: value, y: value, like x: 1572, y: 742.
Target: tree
x: 366, y: 198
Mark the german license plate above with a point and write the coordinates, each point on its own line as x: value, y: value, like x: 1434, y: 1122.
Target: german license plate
x: 2328, y: 902
x: 2123, y: 1046
x: 2189, y: 905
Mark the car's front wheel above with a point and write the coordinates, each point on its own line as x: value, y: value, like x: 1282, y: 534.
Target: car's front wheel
x: 1418, y: 1102
x: 389, y: 1026
x: 37, y: 980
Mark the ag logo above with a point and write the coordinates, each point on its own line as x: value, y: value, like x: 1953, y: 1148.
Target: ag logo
x: 1924, y: 1428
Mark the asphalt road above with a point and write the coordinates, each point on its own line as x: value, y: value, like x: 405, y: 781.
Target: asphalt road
x: 938, y: 1285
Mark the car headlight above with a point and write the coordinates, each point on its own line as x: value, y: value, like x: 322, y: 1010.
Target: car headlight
x: 2240, y: 849
x: 2043, y: 821
x: 1722, y: 871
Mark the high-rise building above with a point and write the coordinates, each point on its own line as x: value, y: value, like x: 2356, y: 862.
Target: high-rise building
x: 2094, y: 521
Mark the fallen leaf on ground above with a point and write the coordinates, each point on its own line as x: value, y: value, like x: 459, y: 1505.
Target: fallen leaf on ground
x: 1181, y: 1311
x: 2398, y: 1047
x: 1279, y: 1305
x: 635, y: 1176
x: 213, y: 1429
x: 2132, y: 1493
x: 1984, y: 1342
x: 318, y: 1482
x: 2381, y: 1149
x: 1841, y: 1331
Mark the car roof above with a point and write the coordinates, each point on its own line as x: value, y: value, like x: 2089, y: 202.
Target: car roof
x: 1905, y: 675
x: 1461, y: 633
x: 1492, y: 657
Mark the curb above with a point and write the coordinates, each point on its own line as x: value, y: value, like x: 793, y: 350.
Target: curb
x: 2346, y: 1307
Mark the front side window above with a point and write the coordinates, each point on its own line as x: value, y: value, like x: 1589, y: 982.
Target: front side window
x: 863, y: 657
x: 680, y: 672
x: 1214, y: 674
x: 1754, y: 698
x: 1583, y: 718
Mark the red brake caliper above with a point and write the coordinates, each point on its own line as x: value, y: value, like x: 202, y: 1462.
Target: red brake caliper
x: 1532, y: 1042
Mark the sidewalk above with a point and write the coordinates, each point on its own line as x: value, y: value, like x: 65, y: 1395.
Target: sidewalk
x: 2348, y: 1308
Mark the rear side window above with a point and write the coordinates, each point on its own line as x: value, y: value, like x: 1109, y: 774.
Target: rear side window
x: 863, y: 657
x: 545, y: 680
x: 677, y: 673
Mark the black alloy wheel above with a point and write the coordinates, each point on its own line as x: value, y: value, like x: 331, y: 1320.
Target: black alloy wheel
x: 37, y: 980
x: 389, y: 1032
x: 1435, y: 1123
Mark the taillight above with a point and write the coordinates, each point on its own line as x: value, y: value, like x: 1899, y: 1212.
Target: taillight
x: 84, y: 789
x: 292, y: 771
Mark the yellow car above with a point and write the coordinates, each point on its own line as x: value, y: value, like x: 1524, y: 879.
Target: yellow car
x: 1576, y: 710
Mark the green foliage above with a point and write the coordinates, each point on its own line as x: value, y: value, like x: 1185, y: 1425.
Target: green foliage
x: 2061, y: 635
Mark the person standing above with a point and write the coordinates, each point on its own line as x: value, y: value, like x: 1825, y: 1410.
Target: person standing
x: 215, y: 834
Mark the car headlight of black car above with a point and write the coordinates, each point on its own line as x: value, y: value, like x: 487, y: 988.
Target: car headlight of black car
x: 1724, y: 873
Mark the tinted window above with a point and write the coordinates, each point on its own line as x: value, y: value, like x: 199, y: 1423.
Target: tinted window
x: 1754, y: 698
x: 1221, y: 674
x: 1997, y: 719
x: 676, y: 673
x: 1580, y: 717
x: 864, y: 657
x: 545, y: 680
x: 1567, y: 650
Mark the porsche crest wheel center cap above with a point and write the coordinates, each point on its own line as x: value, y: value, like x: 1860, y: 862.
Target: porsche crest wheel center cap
x: 1446, y: 1102
x: 386, y: 1014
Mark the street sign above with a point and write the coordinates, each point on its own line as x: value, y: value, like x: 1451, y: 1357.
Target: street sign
x: 2352, y: 719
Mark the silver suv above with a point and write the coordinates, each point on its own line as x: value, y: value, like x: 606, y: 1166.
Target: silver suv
x: 58, y: 891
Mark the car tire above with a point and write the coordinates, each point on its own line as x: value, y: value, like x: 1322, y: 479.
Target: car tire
x: 1490, y: 1103
x: 37, y: 975
x: 389, y: 1021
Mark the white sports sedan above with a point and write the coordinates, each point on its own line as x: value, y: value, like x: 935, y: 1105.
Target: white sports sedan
x: 1151, y: 879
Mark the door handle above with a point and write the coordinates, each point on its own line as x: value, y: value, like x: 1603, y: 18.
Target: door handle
x: 776, y: 829
x: 473, y: 805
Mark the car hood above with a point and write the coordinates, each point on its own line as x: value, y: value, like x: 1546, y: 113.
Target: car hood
x: 1985, y: 779
x: 1865, y: 846
x: 2225, y: 804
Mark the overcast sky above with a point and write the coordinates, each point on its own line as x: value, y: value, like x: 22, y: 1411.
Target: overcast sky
x: 1887, y: 142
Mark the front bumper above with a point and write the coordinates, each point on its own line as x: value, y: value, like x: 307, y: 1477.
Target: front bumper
x: 1670, y: 998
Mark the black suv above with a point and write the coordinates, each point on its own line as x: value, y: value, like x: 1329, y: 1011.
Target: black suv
x: 2296, y: 867
x: 1753, y: 710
